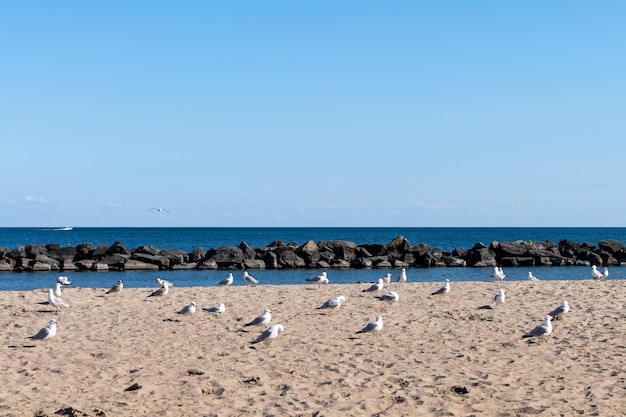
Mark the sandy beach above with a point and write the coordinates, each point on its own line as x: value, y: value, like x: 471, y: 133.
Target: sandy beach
x: 128, y: 354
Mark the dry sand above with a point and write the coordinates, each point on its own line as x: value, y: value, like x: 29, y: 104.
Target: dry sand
x: 436, y: 355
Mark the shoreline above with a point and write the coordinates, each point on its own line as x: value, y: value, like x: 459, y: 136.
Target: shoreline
x: 431, y: 350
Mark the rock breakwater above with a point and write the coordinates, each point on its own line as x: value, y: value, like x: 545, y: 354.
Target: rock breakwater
x: 399, y: 253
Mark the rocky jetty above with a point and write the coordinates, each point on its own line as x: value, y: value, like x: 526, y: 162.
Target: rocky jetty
x: 399, y: 253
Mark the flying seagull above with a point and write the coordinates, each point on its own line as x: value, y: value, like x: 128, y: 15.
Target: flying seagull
x: 159, y: 209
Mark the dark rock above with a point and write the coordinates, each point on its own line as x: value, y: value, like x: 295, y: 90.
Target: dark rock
x: 270, y: 260
x: 135, y: 265
x: 226, y: 255
x: 611, y: 246
x: 148, y: 250
x: 289, y: 259
x: 197, y: 254
x: 361, y: 263
x: 375, y: 249
x: 33, y: 250
x: 67, y: 253
x: 345, y: 253
x: 247, y: 251
x: 400, y: 244
x: 118, y: 248
x: 159, y: 260
x: 254, y: 264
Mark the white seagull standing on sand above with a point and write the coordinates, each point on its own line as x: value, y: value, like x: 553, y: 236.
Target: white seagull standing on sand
x: 498, y: 273
x: 161, y: 292
x: 373, y: 326
x: 375, y: 287
x: 319, y: 280
x: 333, y: 303
x: 188, y: 310
x: 559, y: 312
x: 56, y: 301
x: 402, y: 278
x: 499, y: 298
x: 57, y: 290
x: 531, y: 277
x: 605, y: 274
x: 161, y: 282
x: 387, y: 278
x: 542, y: 331
x: 269, y: 334
x: 443, y: 290
x: 250, y: 279
x: 220, y: 308
x: 595, y: 273
x: 63, y: 280
x: 47, y: 332
x: 227, y: 282
x: 119, y: 285
x: 264, y: 318
x: 391, y: 297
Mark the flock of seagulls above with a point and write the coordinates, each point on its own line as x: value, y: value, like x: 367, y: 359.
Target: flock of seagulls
x: 542, y: 331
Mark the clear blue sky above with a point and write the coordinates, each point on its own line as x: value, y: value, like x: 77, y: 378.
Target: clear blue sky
x: 320, y: 113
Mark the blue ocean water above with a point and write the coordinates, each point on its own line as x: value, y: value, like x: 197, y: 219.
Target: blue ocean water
x: 188, y: 239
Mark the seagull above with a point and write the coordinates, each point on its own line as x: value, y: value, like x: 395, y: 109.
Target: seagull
x: 220, y: 308
x: 263, y: 318
x: 269, y: 334
x: 443, y: 290
x: 161, y: 282
x: 560, y: 312
x: 333, y: 303
x: 47, y: 332
x: 56, y: 301
x: 542, y: 331
x: 373, y: 326
x: 57, y: 290
x: 63, y: 280
x: 402, y: 278
x: 226, y: 282
x: 391, y: 297
x: 595, y: 273
x: 159, y: 209
x: 387, y: 278
x: 375, y: 287
x: 606, y: 272
x: 319, y: 280
x: 250, y: 279
x: 498, y: 273
x: 188, y: 309
x: 161, y: 291
x: 531, y: 277
x: 116, y: 288
x: 499, y: 298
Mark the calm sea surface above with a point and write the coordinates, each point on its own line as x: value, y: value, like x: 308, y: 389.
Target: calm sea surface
x: 188, y: 239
